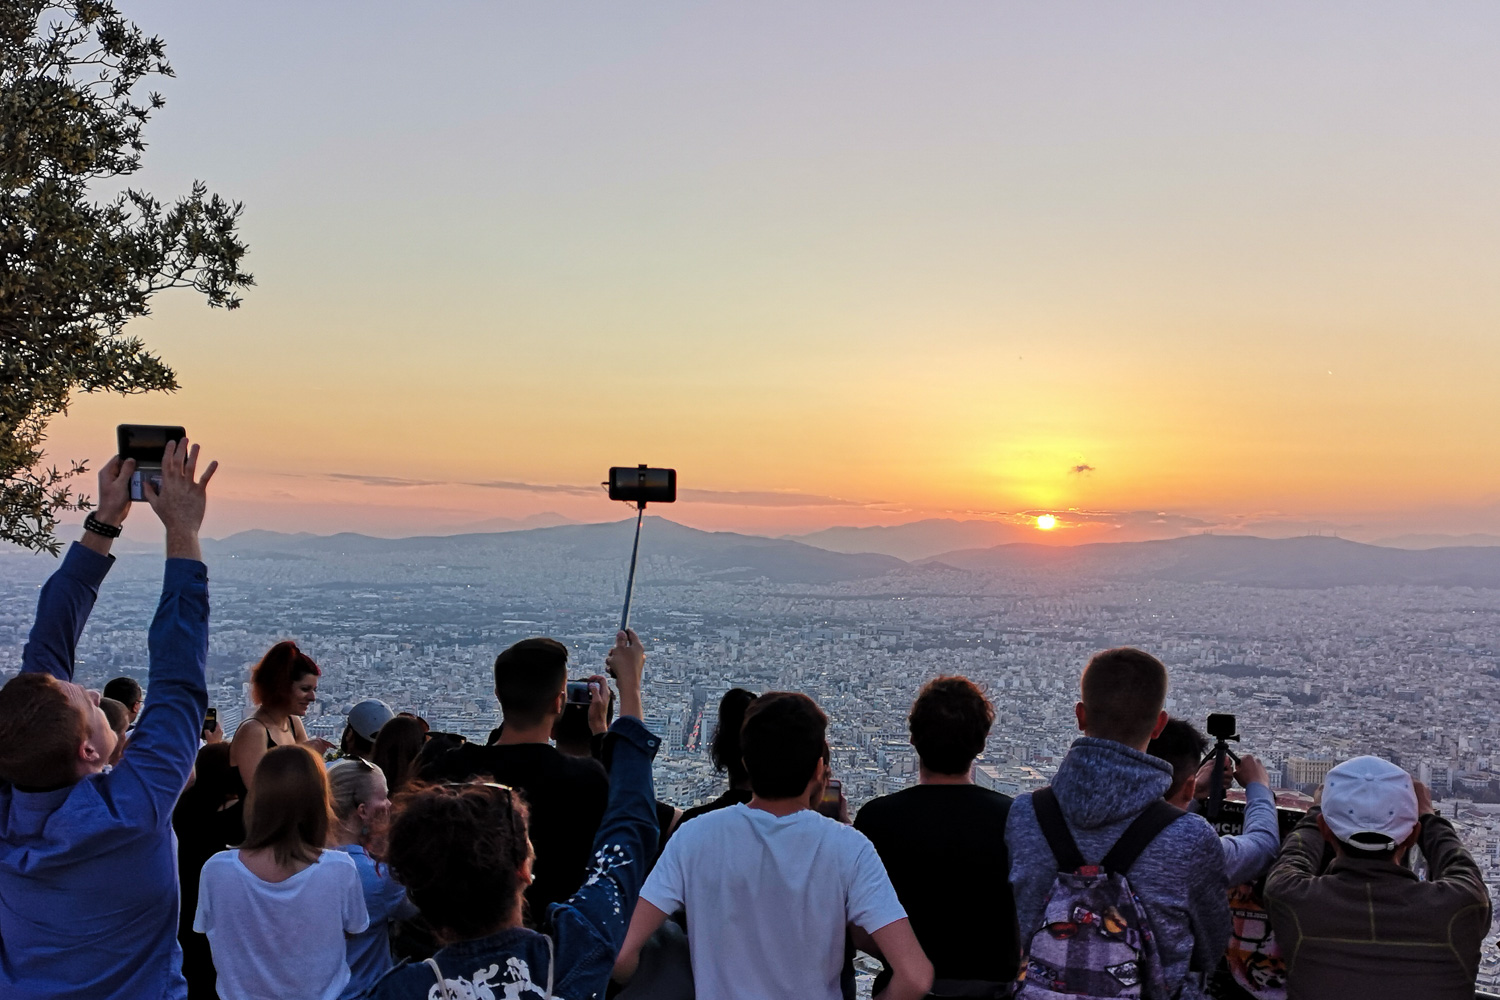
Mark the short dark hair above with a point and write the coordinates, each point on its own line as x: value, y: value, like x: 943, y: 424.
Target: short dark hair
x: 1123, y: 692
x: 782, y: 740
x: 116, y: 712
x: 528, y: 678
x: 949, y: 722
x: 725, y: 749
x: 41, y: 730
x: 351, y: 744
x: 1181, y: 745
x: 458, y: 849
x: 125, y: 690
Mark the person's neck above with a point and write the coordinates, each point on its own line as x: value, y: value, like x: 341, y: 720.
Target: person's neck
x: 779, y: 807
x: 508, y: 923
x: 513, y: 734
x: 343, y: 834
x: 1134, y: 746
x: 926, y: 777
x: 276, y: 719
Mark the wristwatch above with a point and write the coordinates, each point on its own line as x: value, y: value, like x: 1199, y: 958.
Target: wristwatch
x: 98, y: 527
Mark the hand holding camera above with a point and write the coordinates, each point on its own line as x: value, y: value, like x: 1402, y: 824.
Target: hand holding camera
x: 1424, y: 798
x: 182, y: 498
x: 1251, y: 770
x: 599, y: 696
x: 114, y: 491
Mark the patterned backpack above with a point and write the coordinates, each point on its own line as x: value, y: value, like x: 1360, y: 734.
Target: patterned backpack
x: 1095, y: 940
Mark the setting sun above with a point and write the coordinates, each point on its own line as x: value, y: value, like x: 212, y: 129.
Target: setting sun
x: 1046, y: 522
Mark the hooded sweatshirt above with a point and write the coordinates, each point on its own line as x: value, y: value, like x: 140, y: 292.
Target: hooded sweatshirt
x: 1101, y: 787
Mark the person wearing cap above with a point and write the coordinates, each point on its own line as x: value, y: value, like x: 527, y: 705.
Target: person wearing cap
x: 1365, y: 926
x: 365, y: 720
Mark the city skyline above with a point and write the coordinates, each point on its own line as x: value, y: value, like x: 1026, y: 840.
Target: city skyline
x: 858, y: 265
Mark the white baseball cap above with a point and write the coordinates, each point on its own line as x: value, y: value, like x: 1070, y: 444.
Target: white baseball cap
x: 1369, y: 803
x: 368, y: 716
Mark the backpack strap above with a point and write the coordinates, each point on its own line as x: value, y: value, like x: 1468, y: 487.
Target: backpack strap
x: 1050, y: 818
x: 1159, y: 815
x: 442, y: 983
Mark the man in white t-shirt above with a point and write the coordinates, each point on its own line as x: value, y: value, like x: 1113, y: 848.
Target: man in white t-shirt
x: 771, y: 887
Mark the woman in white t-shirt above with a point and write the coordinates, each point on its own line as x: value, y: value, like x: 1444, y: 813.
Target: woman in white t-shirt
x: 276, y: 909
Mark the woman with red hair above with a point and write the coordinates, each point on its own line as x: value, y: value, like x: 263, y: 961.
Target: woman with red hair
x: 283, y: 684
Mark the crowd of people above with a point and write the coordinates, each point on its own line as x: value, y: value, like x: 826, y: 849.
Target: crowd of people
x: 142, y: 856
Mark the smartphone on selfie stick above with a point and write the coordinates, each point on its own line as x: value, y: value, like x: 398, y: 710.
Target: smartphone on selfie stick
x: 640, y: 486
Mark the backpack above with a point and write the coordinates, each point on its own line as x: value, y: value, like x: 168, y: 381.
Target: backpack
x: 1095, y: 939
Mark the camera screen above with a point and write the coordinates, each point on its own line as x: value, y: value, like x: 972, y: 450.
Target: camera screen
x: 146, y: 442
x: 651, y: 479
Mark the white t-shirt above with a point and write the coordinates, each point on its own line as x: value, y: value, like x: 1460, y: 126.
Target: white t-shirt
x: 280, y: 939
x: 768, y: 898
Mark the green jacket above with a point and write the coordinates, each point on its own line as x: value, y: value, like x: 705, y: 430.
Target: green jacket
x: 1371, y: 930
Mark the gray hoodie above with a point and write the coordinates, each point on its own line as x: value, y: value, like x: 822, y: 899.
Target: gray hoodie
x: 1102, y: 786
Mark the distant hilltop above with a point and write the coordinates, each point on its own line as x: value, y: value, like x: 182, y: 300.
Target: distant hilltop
x: 684, y: 554
x: 1305, y: 562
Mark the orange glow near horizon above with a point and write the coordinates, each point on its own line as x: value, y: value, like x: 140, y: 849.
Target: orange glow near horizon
x: 1003, y: 261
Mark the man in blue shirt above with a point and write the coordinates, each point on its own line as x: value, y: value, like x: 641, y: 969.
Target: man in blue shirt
x: 70, y: 926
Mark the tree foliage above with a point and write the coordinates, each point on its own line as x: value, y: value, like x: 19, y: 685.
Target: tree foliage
x: 73, y: 270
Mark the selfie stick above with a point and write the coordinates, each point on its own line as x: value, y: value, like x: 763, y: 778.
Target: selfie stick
x: 640, y: 508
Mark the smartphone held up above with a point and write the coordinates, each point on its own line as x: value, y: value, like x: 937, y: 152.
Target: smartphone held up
x: 146, y: 443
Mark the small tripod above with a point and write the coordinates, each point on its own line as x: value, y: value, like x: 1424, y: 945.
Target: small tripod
x: 1216, y: 787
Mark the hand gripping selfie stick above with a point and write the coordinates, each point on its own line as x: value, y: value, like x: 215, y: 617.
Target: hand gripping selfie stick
x: 640, y: 486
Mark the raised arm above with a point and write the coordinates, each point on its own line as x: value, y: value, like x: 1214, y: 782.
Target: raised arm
x: 152, y: 774
x: 69, y: 594
x: 1249, y: 854
x: 1449, y: 864
x: 1300, y: 861
x: 599, y: 912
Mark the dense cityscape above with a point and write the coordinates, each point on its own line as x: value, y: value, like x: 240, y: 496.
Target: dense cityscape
x: 1313, y: 676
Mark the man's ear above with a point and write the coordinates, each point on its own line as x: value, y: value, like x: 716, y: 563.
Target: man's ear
x: 1083, y: 725
x: 560, y: 702
x: 1161, y: 723
x: 1328, y: 835
x: 87, y: 752
x: 819, y: 783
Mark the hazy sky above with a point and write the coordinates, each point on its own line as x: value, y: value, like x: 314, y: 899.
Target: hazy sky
x: 839, y: 263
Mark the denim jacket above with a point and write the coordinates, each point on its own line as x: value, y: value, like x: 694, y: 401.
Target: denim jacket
x: 585, y: 932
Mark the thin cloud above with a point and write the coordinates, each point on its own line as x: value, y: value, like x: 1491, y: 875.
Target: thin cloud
x: 1081, y: 469
x: 351, y: 477
x: 733, y: 498
x: 739, y: 498
x: 564, y: 488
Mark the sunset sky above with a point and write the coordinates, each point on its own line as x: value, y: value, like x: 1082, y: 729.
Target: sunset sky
x: 839, y: 263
